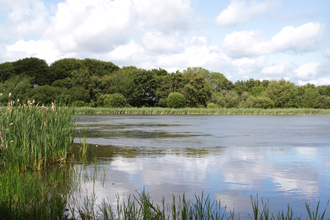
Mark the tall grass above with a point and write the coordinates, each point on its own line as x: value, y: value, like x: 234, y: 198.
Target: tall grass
x: 202, y: 111
x: 32, y: 136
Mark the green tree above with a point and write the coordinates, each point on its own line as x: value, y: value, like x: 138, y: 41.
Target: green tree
x: 145, y: 85
x: 36, y: 68
x: 175, y: 100
x: 197, y: 91
x: 257, y: 90
x: 226, y: 99
x: 46, y: 94
x: 308, y: 95
x: 323, y: 101
x: 19, y: 86
x: 283, y: 93
x: 7, y: 70
x: 62, y: 69
x: 99, y: 68
x: 116, y: 100
x: 259, y: 102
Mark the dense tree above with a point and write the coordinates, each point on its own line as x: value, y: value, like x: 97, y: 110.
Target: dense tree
x: 145, y: 85
x: 62, y: 69
x: 226, y: 99
x: 283, y: 93
x: 36, y: 68
x: 19, y: 86
x: 7, y: 70
x: 259, y: 102
x: 99, y: 68
x: 197, y: 91
x: 307, y: 95
x: 46, y: 94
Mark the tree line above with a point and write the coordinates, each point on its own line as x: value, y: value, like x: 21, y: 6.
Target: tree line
x: 95, y: 83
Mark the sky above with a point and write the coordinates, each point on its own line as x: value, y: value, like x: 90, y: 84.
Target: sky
x: 242, y: 39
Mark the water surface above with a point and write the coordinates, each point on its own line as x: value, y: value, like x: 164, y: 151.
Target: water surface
x: 285, y: 159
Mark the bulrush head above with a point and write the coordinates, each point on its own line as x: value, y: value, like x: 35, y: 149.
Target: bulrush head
x: 9, y: 94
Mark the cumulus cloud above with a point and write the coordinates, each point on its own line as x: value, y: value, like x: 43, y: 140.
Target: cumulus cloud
x: 24, y: 17
x: 239, y: 12
x: 307, y: 71
x: 156, y: 41
x: 304, y: 38
x: 165, y: 15
x: 328, y: 54
x: 41, y: 49
x: 95, y: 26
x: 276, y: 69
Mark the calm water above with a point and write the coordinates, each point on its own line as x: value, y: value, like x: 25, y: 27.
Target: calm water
x: 285, y: 159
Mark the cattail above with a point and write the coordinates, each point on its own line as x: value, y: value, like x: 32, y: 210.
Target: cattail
x: 53, y: 107
x: 28, y: 102
x: 17, y: 100
x: 9, y: 94
x: 33, y: 101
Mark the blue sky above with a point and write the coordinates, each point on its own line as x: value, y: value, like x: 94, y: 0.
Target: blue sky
x: 243, y: 39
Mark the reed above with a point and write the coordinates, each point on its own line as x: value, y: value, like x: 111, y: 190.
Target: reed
x: 32, y: 136
x: 202, y: 111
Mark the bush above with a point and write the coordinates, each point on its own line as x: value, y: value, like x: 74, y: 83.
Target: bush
x: 78, y: 103
x: 162, y: 103
x: 259, y: 102
x: 212, y: 105
x: 116, y: 100
x: 175, y: 100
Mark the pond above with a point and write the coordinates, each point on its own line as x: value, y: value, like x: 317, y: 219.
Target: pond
x: 282, y: 159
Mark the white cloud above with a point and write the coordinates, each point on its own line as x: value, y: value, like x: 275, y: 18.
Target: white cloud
x: 24, y: 17
x: 317, y: 82
x: 165, y: 15
x: 95, y: 26
x: 41, y: 49
x: 304, y: 38
x: 276, y: 69
x: 129, y: 53
x: 238, y: 12
x: 307, y: 71
x: 328, y: 54
x: 158, y: 42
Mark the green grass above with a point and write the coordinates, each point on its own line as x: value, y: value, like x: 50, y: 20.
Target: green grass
x: 202, y: 111
x: 31, y: 136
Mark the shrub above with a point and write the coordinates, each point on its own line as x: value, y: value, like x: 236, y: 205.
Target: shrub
x: 175, y: 100
x: 100, y: 100
x: 162, y: 103
x: 259, y: 102
x: 116, y: 100
x: 212, y: 105
x: 78, y: 103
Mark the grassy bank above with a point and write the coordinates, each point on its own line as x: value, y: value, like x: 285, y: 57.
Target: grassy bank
x: 33, y: 136
x: 202, y: 111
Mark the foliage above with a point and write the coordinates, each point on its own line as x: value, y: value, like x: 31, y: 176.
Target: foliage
x: 115, y: 101
x: 257, y: 90
x: 197, y: 91
x: 259, y: 102
x: 62, y: 69
x: 323, y: 102
x: 144, y: 93
x: 227, y: 99
x: 175, y: 100
x: 283, y: 93
x: 212, y: 105
x: 45, y: 94
x: 102, y: 98
x: 34, y: 136
x: 35, y: 68
x: 18, y: 86
x: 7, y: 70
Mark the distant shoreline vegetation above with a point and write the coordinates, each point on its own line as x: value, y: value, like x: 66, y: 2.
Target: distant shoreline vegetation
x: 199, y: 111
x: 95, y: 83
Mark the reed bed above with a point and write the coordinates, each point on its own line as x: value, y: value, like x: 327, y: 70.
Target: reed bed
x: 202, y: 111
x: 33, y: 136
